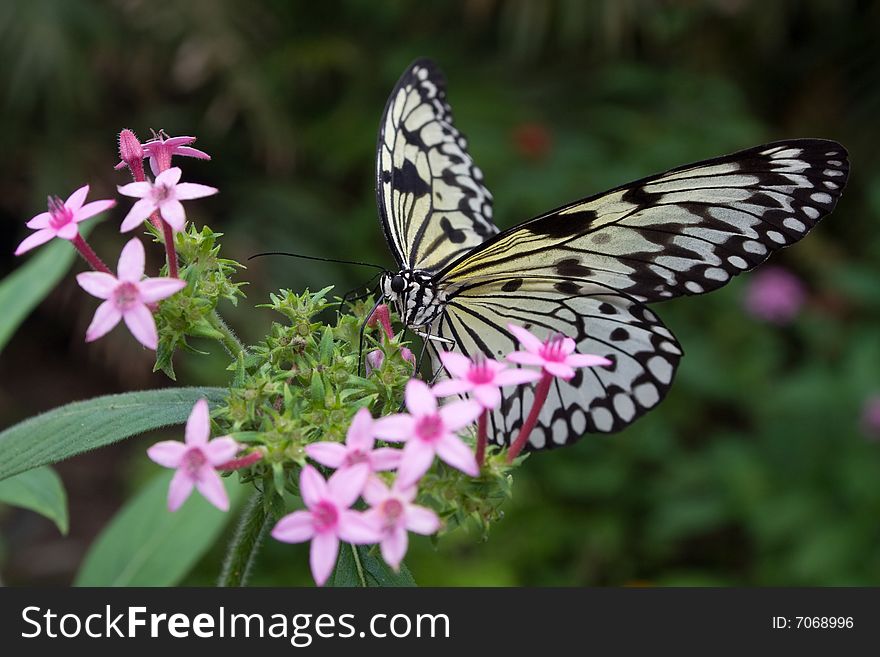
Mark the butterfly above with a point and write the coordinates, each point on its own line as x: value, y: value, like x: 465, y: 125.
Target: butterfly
x: 588, y: 269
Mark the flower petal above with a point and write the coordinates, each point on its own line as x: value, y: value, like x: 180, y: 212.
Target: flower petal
x: 186, y: 191
x: 385, y: 458
x: 169, y: 177
x: 131, y: 261
x: 394, y: 547
x: 74, y: 201
x: 421, y: 520
x: 191, y: 152
x: 322, y: 556
x: 453, y: 450
x: 39, y: 221
x: 67, y: 231
x: 140, y: 322
x: 34, y: 240
x: 419, y: 400
x: 516, y: 376
x: 179, y: 489
x: 89, y: 210
x: 528, y: 340
x: 488, y: 396
x: 561, y: 370
x: 295, y: 527
x: 312, y: 487
x: 172, y: 212
x: 346, y: 485
x: 198, y: 424
x: 167, y: 453
x: 459, y: 414
x: 97, y: 283
x: 525, y: 358
x: 456, y: 364
x: 135, y: 189
x: 137, y: 214
x: 398, y: 426
x: 354, y: 528
x: 417, y: 458
x: 360, y: 432
x: 326, y: 453
x: 220, y: 450
x: 211, y: 487
x: 451, y: 387
x: 156, y: 289
x: 106, y: 317
x: 586, y: 360
x: 375, y: 491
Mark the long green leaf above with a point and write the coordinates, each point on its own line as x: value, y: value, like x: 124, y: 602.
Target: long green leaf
x: 372, y: 570
x: 147, y: 545
x: 81, y: 426
x: 38, y: 490
x: 27, y: 286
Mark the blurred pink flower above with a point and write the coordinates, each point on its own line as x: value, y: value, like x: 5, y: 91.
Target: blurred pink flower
x: 392, y: 514
x: 196, y: 460
x: 871, y: 417
x: 358, y: 448
x: 161, y: 148
x: 127, y: 295
x: 329, y: 517
x: 164, y: 195
x: 555, y: 355
x: 429, y: 431
x: 482, y: 377
x: 62, y: 218
x: 774, y: 295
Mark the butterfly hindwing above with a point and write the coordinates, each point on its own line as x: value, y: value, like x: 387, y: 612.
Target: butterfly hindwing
x: 432, y: 201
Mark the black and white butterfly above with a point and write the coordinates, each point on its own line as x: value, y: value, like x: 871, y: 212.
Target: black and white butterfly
x: 586, y: 269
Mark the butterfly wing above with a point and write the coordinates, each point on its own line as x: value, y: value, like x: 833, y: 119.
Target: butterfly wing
x: 433, y: 204
x: 587, y: 268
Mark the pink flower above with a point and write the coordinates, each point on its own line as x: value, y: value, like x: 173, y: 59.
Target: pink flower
x: 196, y: 460
x: 556, y: 354
x: 774, y: 295
x: 392, y: 513
x: 164, y: 195
x: 482, y: 377
x: 62, y: 218
x: 127, y: 296
x: 376, y: 357
x: 329, y: 517
x: 429, y: 431
x: 161, y: 148
x: 358, y: 448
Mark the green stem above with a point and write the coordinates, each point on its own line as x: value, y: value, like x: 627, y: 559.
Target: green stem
x: 358, y: 565
x: 252, y: 528
x: 229, y: 340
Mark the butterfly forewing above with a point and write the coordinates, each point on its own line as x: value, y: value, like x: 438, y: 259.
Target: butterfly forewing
x: 432, y: 201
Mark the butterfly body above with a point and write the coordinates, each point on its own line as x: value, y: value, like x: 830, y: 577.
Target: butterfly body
x: 588, y: 269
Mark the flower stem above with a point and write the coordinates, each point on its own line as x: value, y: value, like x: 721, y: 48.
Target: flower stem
x: 229, y: 341
x: 541, y: 392
x: 170, y: 252
x: 358, y: 565
x: 240, y: 556
x: 88, y: 253
x: 242, y: 462
x: 482, y: 437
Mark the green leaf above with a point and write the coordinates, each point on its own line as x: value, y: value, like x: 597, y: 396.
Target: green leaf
x: 39, y: 490
x: 373, y: 570
x: 27, y: 286
x: 147, y: 545
x: 78, y: 427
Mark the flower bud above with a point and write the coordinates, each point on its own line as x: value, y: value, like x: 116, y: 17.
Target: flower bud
x: 132, y: 154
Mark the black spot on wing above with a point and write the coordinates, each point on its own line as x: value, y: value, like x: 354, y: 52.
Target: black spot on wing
x: 512, y: 285
x: 572, y: 268
x: 559, y: 225
x: 408, y: 181
x: 452, y: 233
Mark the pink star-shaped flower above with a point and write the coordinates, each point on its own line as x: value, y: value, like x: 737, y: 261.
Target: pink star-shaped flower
x: 127, y: 295
x: 482, y: 378
x: 392, y: 514
x: 62, y: 218
x: 329, y: 518
x: 555, y: 355
x: 358, y: 448
x: 429, y: 431
x: 196, y: 460
x: 161, y: 149
x: 164, y: 195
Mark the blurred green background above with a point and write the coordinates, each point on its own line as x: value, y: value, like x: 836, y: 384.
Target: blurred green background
x: 758, y: 469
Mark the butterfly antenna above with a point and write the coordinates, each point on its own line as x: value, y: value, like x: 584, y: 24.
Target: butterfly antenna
x: 308, y: 257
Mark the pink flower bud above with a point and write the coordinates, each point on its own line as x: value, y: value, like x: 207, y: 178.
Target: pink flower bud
x: 374, y: 360
x: 132, y: 154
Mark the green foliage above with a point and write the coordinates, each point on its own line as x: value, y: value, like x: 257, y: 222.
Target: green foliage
x: 145, y: 545
x: 39, y: 490
x: 359, y: 565
x: 81, y: 426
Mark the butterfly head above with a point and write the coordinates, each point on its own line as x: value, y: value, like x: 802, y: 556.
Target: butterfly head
x: 413, y: 295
